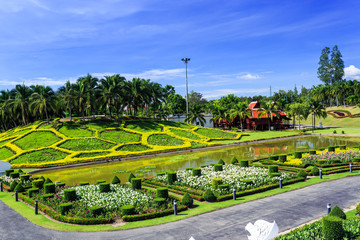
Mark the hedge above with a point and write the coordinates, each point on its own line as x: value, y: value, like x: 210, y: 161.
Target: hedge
x: 31, y: 191
x: 65, y: 207
x: 127, y: 210
x: 162, y: 192
x: 218, y: 167
x: 104, y: 187
x: 244, y: 163
x: 96, y: 210
x: 132, y: 218
x: 136, y: 183
x: 196, y: 172
x: 70, y: 194
x: 332, y: 228
x: 49, y: 188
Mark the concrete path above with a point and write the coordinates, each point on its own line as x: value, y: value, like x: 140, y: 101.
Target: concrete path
x: 289, y: 210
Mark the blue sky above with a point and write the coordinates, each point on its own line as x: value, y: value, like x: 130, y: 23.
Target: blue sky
x: 239, y: 47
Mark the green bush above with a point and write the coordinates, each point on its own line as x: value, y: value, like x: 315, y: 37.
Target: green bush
x: 244, y: 163
x: 84, y: 183
x: 343, y: 147
x: 131, y: 176
x: 209, y: 196
x: 275, y: 174
x: 65, y: 207
x: 334, y: 131
x: 234, y: 160
x: 34, y: 178
x: 283, y: 157
x: 160, y: 174
x: 331, y: 149
x: 96, y: 210
x: 196, y: 172
x: 336, y: 160
x: 104, y: 187
x: 48, y: 180
x: 60, y: 184
x: 31, y: 191
x: 70, y: 194
x: 25, y: 177
x: 8, y: 171
x: 189, y: 168
x: 312, y: 152
x: 127, y: 210
x: 337, y: 212
x: 221, y: 162
x: 46, y: 196
x: 216, y: 182
x: 298, y: 155
x: 315, y: 171
x: 224, y: 187
x: 171, y: 177
x: 115, y: 180
x: 247, y: 181
x: 136, y: 183
x: 14, y: 175
x: 38, y: 183
x: 159, y: 201
x: 204, y: 165
x: 100, y: 181
x: 187, y: 200
x: 358, y: 209
x: 49, y: 188
x: 321, y: 161
x: 274, y: 157
x: 218, y: 167
x: 332, y: 228
x: 19, y: 187
x: 162, y: 192
x: 322, y: 149
x: 302, y: 173
x: 273, y: 169
x: 13, y: 185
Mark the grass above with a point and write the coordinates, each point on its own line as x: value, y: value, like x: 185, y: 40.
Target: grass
x: 267, y: 135
x: 214, y: 133
x: 185, y: 134
x: 102, y: 124
x: 197, y: 145
x: 120, y: 136
x: 91, y: 154
x: 75, y: 131
x: 46, y: 155
x: 20, y: 132
x: 143, y: 126
x: 4, y: 142
x: 46, y: 126
x: 36, y: 140
x: 176, y: 124
x: 164, y: 140
x: 86, y: 144
x: 350, y: 131
x: 5, y: 153
x: 201, y: 207
x: 133, y: 148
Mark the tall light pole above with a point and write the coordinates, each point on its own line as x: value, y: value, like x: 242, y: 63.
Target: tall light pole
x: 187, y: 92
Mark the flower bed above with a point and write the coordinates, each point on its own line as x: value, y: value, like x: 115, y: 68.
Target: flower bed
x: 120, y: 136
x: 86, y: 144
x: 332, y: 157
x: 36, y: 140
x: 75, y: 132
x: 164, y: 140
x: 214, y: 133
x: 45, y: 155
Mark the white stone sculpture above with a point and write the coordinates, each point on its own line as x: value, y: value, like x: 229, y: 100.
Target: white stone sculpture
x: 262, y: 230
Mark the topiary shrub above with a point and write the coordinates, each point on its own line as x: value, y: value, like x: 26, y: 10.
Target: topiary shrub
x: 171, y: 177
x: 46, y: 196
x: 19, y: 187
x: 315, y: 171
x: 48, y: 180
x: 196, y: 172
x: 283, y: 158
x: 49, y: 188
x: 244, y: 163
x: 32, y: 191
x: 104, y: 187
x: 14, y: 175
x: 336, y: 160
x: 331, y: 149
x: 337, y: 212
x: 84, y: 183
x: 274, y: 157
x: 216, y: 182
x: 162, y: 192
x: 302, y: 173
x: 273, y: 169
x: 209, y: 196
x: 131, y: 176
x: 275, y: 174
x: 204, y: 165
x: 187, y: 200
x: 224, y: 187
x: 247, y: 181
x: 322, y: 149
x: 115, y: 180
x: 34, y: 178
x: 127, y: 210
x: 160, y: 174
x: 13, y: 185
x: 38, y: 183
x: 189, y: 168
x: 358, y: 209
x: 312, y: 152
x: 332, y: 228
x: 334, y: 132
x: 343, y: 147
x: 234, y: 160
x: 218, y: 167
x: 70, y: 194
x: 60, y: 184
x: 65, y: 207
x: 25, y: 177
x: 8, y: 171
x: 136, y: 183
x: 298, y: 155
x: 100, y: 181
x: 96, y: 210
x: 221, y: 162
x: 159, y: 201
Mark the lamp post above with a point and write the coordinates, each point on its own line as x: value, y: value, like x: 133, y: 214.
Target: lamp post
x: 187, y: 92
x: 313, y: 119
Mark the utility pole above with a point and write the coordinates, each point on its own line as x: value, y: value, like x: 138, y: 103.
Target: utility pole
x: 187, y: 92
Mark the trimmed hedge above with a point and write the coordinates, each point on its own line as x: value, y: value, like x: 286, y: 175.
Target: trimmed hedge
x: 315, y: 171
x: 332, y: 228
x: 19, y: 187
x: 283, y: 158
x: 216, y: 182
x: 31, y: 191
x: 100, y: 181
x: 189, y: 168
x: 302, y: 173
x: 162, y: 192
x: 46, y: 196
x: 221, y: 162
x: 127, y: 210
x: 48, y: 180
x: 275, y: 174
x: 49, y: 188
x: 171, y: 177
x: 196, y: 172
x: 70, y: 194
x: 8, y: 171
x: 96, y: 210
x: 131, y: 176
x: 136, y: 183
x: 273, y: 169
x: 331, y: 149
x: 159, y: 201
x: 337, y: 212
x: 25, y: 177
x: 343, y: 147
x: 234, y: 160
x: 224, y: 187
x: 274, y: 157
x: 139, y: 217
x: 65, y: 207
x: 187, y: 200
x: 104, y: 187
x: 218, y: 167
x: 209, y: 196
x: 14, y: 175
x: 115, y: 180
x: 312, y: 152
x: 13, y: 186
x: 38, y: 183
x: 84, y: 183
x: 60, y: 184
x: 244, y: 163
x: 298, y: 155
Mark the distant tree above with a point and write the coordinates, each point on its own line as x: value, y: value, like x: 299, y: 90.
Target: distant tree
x: 196, y: 98
x: 240, y: 110
x: 324, y: 70
x: 267, y: 110
x: 176, y: 104
x: 195, y: 113
x: 337, y: 65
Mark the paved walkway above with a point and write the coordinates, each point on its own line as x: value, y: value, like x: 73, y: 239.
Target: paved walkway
x: 288, y: 210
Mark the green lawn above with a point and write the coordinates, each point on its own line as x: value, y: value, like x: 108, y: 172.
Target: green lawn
x: 5, y: 153
x: 143, y: 126
x: 46, y: 155
x: 75, y: 131
x: 176, y: 124
x: 215, y: 133
x: 120, y: 136
x: 36, y: 140
x: 133, y: 148
x: 186, y: 134
x: 4, y: 142
x: 86, y: 144
x: 92, y: 154
x: 350, y: 131
x: 164, y: 140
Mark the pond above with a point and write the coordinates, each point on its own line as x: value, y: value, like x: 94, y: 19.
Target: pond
x: 144, y: 167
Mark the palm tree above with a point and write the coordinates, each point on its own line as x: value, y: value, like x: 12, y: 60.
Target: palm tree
x: 68, y: 96
x: 21, y: 101
x: 195, y: 113
x: 219, y: 113
x: 268, y: 111
x: 43, y: 101
x: 81, y: 92
x: 157, y: 95
x: 137, y: 93
x: 240, y: 110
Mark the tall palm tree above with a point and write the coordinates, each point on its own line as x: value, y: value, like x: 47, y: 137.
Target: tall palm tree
x: 43, y: 101
x: 240, y: 110
x: 156, y: 95
x: 195, y: 113
x: 81, y: 92
x: 68, y: 95
x: 21, y: 101
x: 268, y: 110
x: 137, y: 93
x: 219, y: 113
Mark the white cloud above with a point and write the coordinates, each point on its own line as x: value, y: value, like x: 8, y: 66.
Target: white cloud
x: 223, y: 92
x: 248, y: 76
x: 352, y: 72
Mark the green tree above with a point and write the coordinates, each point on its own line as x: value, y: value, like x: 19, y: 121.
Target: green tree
x: 68, y: 96
x: 43, y: 101
x: 337, y: 65
x: 324, y: 70
x: 176, y: 104
x: 240, y: 110
x: 195, y: 113
x: 21, y: 101
x: 196, y: 98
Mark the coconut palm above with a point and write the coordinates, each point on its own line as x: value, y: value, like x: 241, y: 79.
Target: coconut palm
x: 68, y: 96
x: 42, y: 101
x: 195, y: 113
x: 138, y: 93
x: 240, y: 110
x: 21, y: 101
x: 268, y: 110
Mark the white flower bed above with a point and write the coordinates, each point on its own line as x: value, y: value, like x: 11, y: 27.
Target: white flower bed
x: 119, y: 196
x: 231, y: 174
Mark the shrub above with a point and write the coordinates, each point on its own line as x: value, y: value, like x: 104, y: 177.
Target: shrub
x: 25, y: 177
x: 209, y: 196
x: 331, y: 149
x: 273, y: 169
x: 84, y: 183
x: 204, y: 165
x: 136, y: 183
x: 244, y: 163
x: 115, y: 180
x: 14, y: 175
x: 283, y: 157
x: 247, y: 181
x: 46, y: 196
x: 334, y: 131
x: 358, y: 209
x: 189, y: 168
x: 274, y: 157
x: 159, y: 201
x: 48, y: 180
x: 315, y: 171
x: 34, y: 178
x: 8, y: 171
x: 342, y: 132
x: 38, y: 183
x: 70, y: 194
x: 60, y: 184
x: 321, y: 161
x: 343, y: 147
x: 302, y: 173
x: 298, y: 155
x: 221, y: 162
x: 131, y: 176
x: 171, y: 177
x: 312, y: 152
x: 224, y: 187
x: 13, y: 185
x: 275, y: 174
x: 234, y: 160
x: 31, y: 191
x: 65, y: 207
x: 96, y: 210
x: 160, y: 174
x: 104, y: 187
x: 162, y: 192
x: 216, y: 182
x: 49, y: 188
x: 218, y: 167
x: 127, y: 210
x: 322, y: 149
x: 19, y: 187
x: 337, y: 212
x: 100, y: 181
x: 332, y: 228
x: 187, y: 200
x: 196, y: 172
x: 336, y: 161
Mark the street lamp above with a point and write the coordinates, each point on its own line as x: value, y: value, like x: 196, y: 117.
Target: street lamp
x: 313, y: 119
x: 187, y: 92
